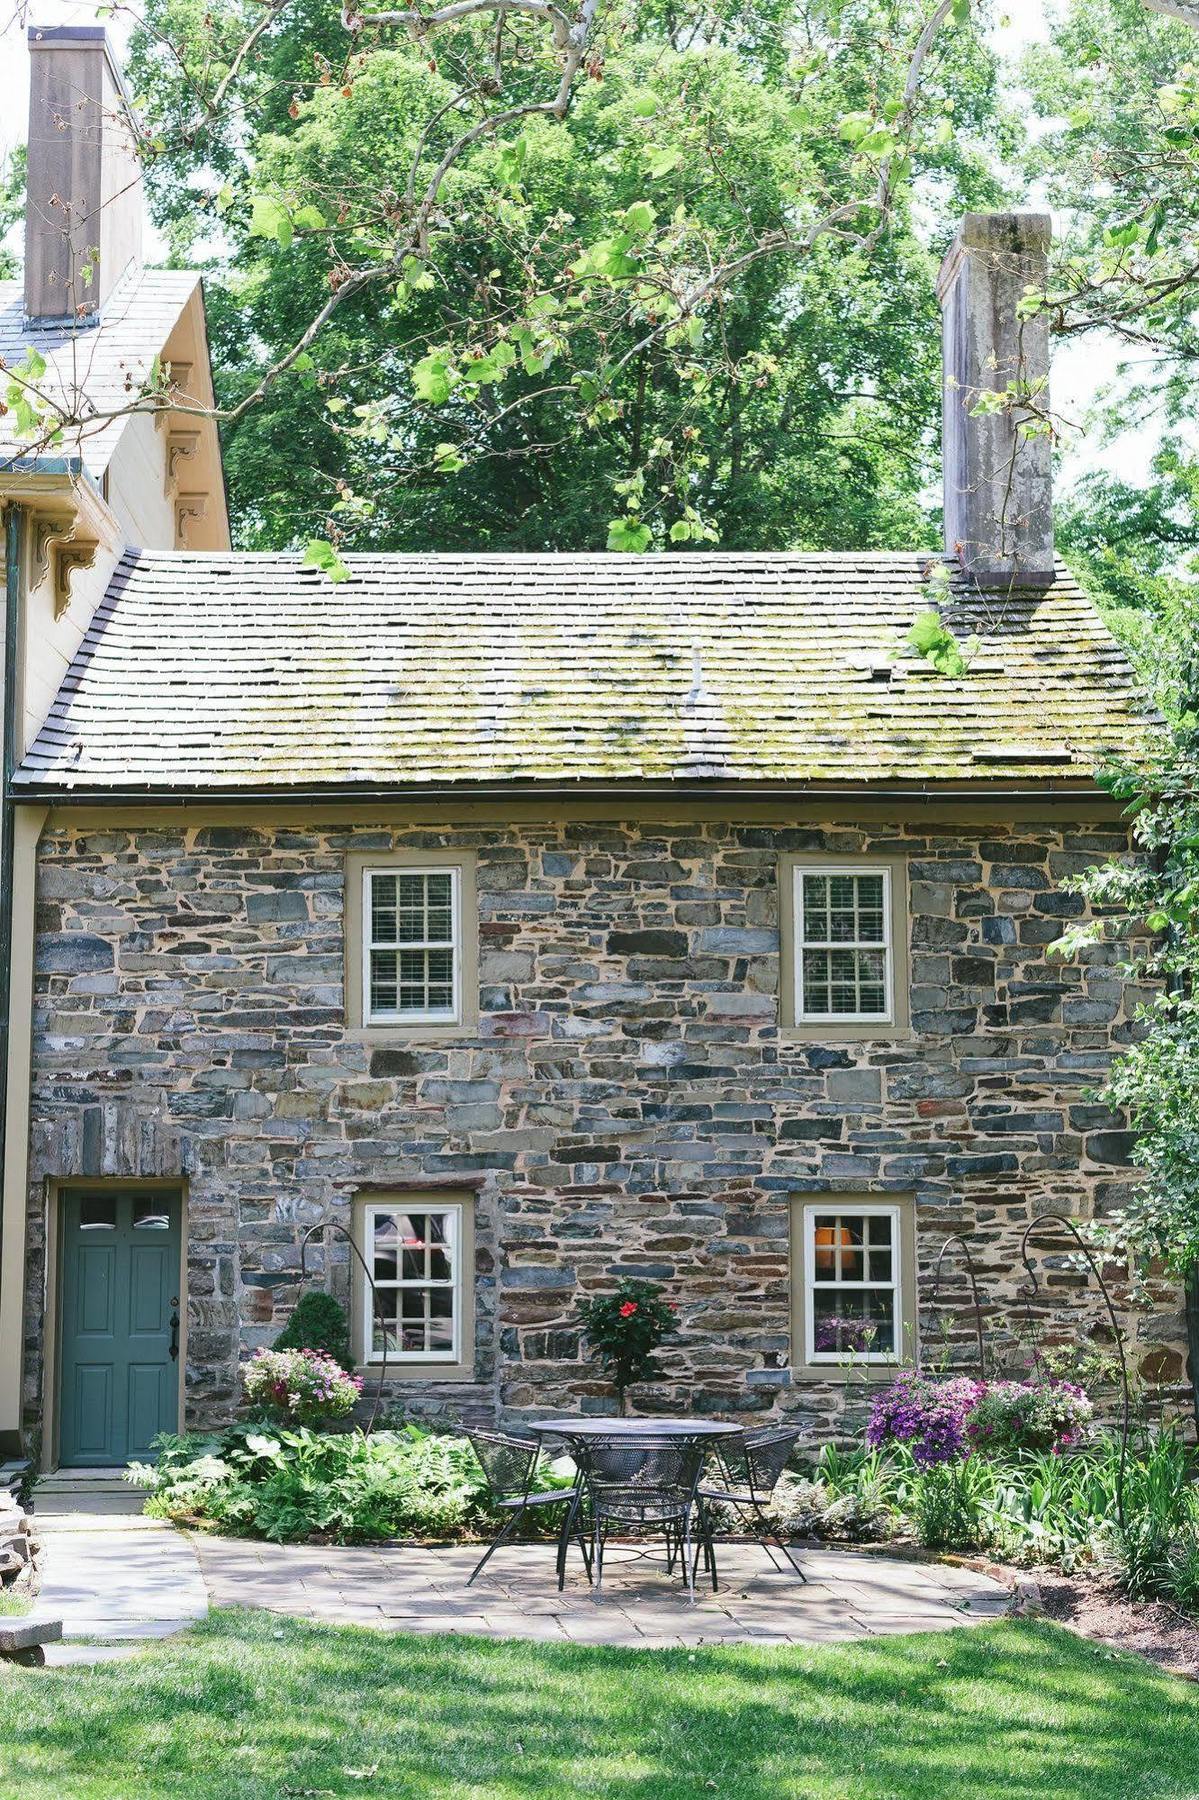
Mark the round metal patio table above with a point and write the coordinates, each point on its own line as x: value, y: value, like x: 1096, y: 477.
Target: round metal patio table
x: 579, y: 1431
x: 634, y: 1428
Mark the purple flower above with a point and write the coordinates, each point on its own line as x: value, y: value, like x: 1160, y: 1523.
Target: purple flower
x: 928, y: 1416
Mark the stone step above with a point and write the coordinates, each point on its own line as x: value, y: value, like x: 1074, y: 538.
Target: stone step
x: 85, y: 1481
x: 68, y: 1494
x: 72, y: 1502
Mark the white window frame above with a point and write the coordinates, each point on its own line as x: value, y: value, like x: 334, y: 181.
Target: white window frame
x: 452, y: 1211
x: 829, y: 871
x: 831, y: 1204
x: 426, y: 1016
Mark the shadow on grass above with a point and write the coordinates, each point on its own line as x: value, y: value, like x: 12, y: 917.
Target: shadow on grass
x: 250, y: 1706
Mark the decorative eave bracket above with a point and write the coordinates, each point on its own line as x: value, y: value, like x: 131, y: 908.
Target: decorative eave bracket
x: 179, y: 375
x: 182, y: 446
x: 60, y: 551
x: 187, y: 508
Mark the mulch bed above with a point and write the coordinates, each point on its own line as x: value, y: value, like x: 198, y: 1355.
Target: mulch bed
x: 1098, y: 1610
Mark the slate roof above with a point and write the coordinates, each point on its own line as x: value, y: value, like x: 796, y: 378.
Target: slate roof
x: 234, y: 673
x: 100, y: 363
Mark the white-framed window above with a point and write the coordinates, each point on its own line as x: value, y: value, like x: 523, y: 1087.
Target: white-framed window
x: 414, y: 1254
x: 412, y: 942
x: 854, y: 1303
x: 844, y: 954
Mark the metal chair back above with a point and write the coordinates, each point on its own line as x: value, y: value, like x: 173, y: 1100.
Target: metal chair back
x: 640, y: 1479
x: 757, y: 1460
x: 507, y: 1463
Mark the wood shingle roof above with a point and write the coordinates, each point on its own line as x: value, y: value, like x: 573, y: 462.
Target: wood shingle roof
x: 95, y: 367
x: 236, y: 674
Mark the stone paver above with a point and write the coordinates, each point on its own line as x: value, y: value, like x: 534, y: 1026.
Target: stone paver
x: 114, y: 1577
x: 394, y: 1588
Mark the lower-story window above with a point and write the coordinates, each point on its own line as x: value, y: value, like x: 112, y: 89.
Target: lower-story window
x: 854, y: 1282
x: 419, y: 1249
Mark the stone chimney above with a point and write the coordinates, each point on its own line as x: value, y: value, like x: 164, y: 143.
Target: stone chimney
x: 997, y: 481
x: 83, y: 213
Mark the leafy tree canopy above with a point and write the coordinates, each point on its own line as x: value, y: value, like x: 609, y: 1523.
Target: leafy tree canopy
x: 543, y: 375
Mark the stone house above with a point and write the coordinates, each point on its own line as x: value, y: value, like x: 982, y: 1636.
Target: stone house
x: 537, y: 919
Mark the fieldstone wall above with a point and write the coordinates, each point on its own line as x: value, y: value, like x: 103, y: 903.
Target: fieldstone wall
x: 626, y: 1104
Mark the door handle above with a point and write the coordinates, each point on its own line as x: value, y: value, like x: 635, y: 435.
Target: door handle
x: 173, y: 1352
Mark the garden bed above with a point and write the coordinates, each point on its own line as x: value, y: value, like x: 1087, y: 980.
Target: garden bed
x: 1096, y: 1608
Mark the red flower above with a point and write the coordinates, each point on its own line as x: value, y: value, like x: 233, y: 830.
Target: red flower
x: 628, y: 1309
x: 672, y: 1305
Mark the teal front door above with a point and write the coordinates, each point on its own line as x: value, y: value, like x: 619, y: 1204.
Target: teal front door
x: 119, y: 1337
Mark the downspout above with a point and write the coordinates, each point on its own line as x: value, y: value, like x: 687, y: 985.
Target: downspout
x: 14, y: 537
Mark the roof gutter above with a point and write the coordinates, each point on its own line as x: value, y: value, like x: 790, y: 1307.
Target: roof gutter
x: 343, y: 793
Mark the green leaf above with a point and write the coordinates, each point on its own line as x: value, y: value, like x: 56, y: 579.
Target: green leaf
x: 309, y: 218
x: 321, y: 555
x: 932, y: 639
x: 876, y: 142
x: 639, y: 219
x: 269, y: 220
x: 1156, y: 221
x: 513, y: 157
x: 447, y: 461
x: 854, y: 126
x: 1122, y: 237
x: 431, y: 379
x: 629, y: 535
x: 645, y: 104
x: 662, y: 162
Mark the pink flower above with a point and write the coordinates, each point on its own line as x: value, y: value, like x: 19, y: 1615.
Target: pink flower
x: 628, y: 1309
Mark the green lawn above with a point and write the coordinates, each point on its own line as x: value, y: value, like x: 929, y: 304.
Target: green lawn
x: 261, y: 1708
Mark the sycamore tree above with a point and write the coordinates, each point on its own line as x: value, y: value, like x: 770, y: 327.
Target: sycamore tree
x: 501, y: 271
x: 1118, y: 89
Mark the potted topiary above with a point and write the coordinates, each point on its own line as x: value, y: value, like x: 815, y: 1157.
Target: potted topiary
x: 318, y: 1322
x: 625, y: 1328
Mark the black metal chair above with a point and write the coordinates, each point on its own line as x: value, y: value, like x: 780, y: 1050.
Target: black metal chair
x: 750, y: 1468
x: 508, y: 1465
x: 638, y: 1484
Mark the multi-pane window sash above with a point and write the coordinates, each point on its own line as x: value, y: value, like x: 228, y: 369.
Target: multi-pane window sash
x: 412, y: 933
x: 414, y: 1256
x: 844, y: 968
x: 853, y: 1296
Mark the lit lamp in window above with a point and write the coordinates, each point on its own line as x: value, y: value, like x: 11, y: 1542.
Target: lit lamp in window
x: 826, y: 1237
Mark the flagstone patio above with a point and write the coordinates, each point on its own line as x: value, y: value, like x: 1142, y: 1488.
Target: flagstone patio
x: 848, y: 1594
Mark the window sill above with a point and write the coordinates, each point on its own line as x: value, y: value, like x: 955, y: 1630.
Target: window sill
x: 412, y: 1372
x: 846, y: 1034
x: 841, y: 1374
x: 411, y: 1034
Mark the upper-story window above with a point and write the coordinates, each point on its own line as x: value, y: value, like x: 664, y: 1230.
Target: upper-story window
x: 845, y: 945
x: 843, y: 920
x: 413, y: 935
x: 411, y: 943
